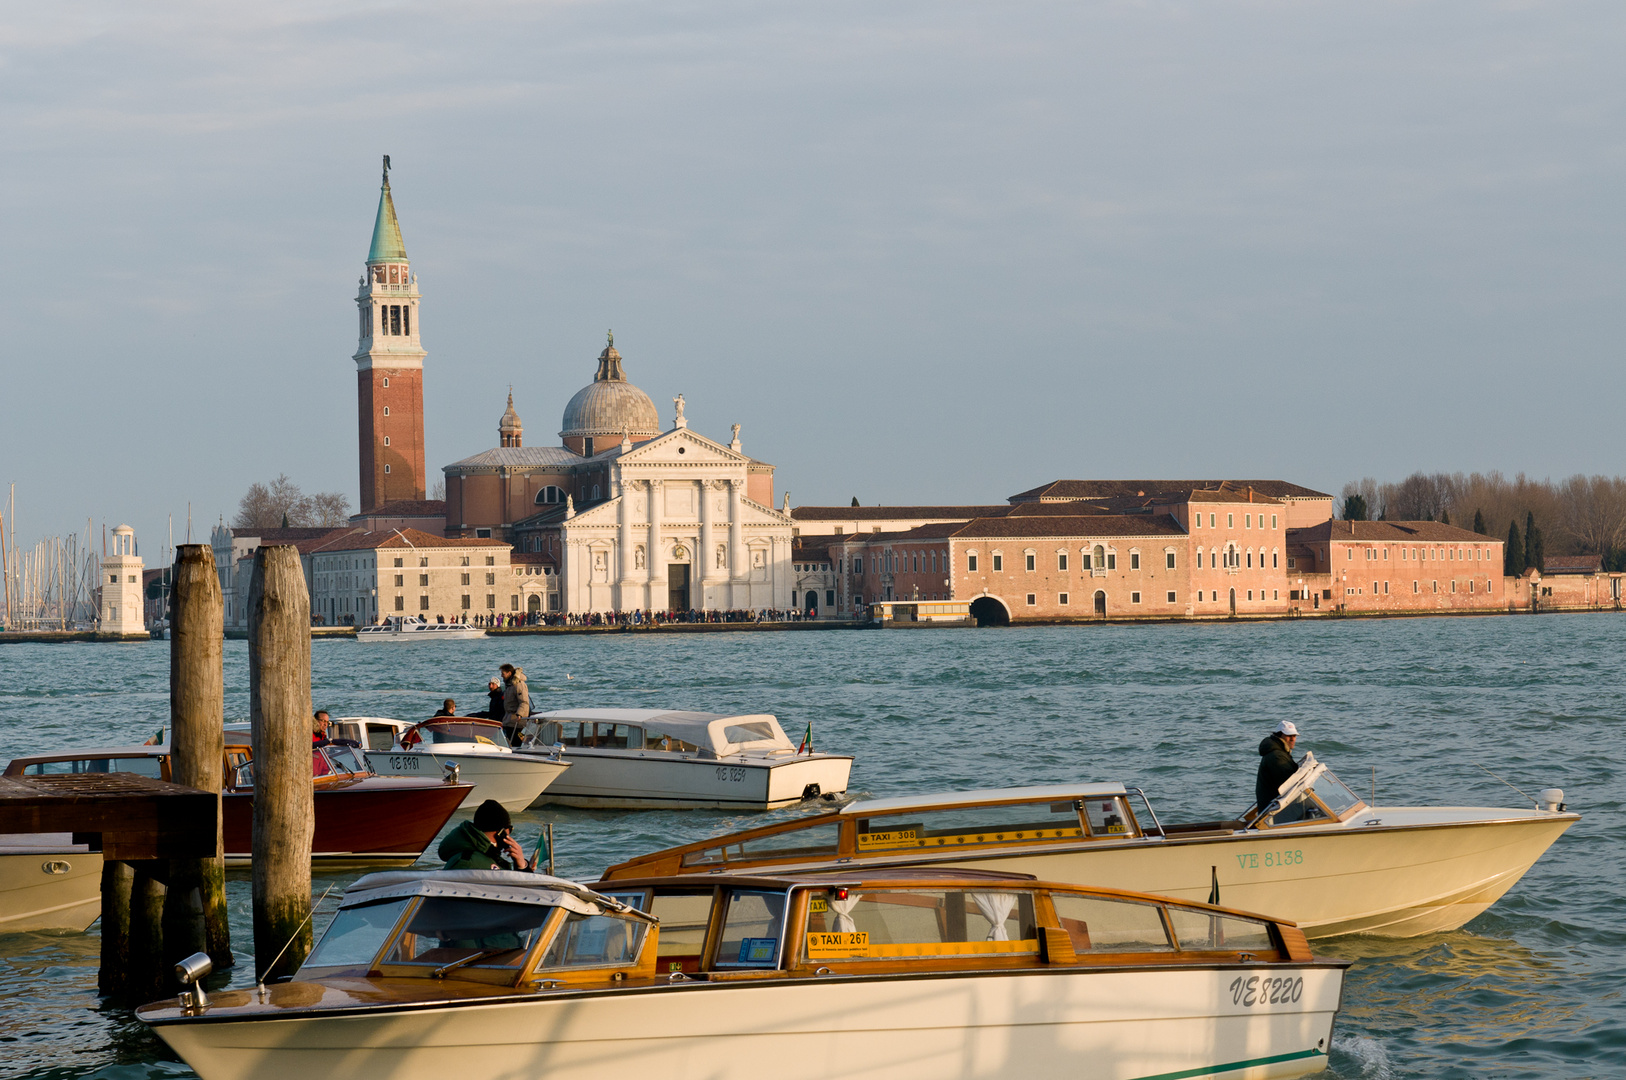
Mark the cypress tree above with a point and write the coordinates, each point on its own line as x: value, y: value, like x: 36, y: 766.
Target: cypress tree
x: 1479, y: 524
x: 1445, y: 517
x: 1354, y: 508
x: 855, y: 500
x: 1535, y: 553
x: 1513, y: 551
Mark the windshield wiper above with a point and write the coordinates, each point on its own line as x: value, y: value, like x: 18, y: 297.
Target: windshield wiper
x: 440, y: 972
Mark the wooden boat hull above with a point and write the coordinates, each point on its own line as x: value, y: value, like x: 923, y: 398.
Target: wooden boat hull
x: 623, y: 780
x: 380, y: 821
x: 515, y: 780
x: 48, y: 886
x: 1108, y: 1024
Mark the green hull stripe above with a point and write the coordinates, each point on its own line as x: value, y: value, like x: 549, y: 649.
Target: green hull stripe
x: 1233, y: 1066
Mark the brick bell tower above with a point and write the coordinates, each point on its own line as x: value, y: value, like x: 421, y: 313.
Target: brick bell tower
x: 389, y: 367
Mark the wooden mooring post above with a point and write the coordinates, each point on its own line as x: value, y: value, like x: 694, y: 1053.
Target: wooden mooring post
x: 279, y: 677
x: 195, y: 917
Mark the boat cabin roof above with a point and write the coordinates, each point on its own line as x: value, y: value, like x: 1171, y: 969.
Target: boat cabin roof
x: 722, y: 734
x: 510, y: 886
x: 982, y: 797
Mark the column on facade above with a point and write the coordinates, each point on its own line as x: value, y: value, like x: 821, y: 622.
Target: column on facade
x: 739, y: 574
x: 708, y: 555
x: 652, y: 549
x: 626, y: 586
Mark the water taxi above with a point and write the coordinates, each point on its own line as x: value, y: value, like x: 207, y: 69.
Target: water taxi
x: 642, y: 758
x: 866, y: 974
x: 476, y: 745
x: 412, y: 628
x: 362, y: 819
x: 48, y: 882
x: 1318, y: 854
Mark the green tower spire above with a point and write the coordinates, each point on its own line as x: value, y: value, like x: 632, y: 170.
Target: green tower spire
x: 387, y: 243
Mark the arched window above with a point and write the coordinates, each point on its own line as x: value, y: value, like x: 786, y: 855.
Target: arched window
x: 548, y: 495
x: 1100, y: 561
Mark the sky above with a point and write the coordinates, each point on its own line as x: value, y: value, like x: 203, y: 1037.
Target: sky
x: 921, y: 252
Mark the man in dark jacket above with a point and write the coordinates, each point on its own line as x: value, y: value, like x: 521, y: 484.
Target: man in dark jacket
x: 486, y: 843
x: 1276, y: 763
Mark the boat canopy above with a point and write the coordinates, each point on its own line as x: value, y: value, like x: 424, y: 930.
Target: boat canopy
x: 509, y: 886
x: 714, y: 732
x: 983, y: 797
x: 455, y: 729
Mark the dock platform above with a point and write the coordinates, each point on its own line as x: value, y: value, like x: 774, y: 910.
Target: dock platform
x: 131, y: 818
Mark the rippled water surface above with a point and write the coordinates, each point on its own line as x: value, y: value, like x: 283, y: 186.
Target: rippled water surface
x: 1533, y: 988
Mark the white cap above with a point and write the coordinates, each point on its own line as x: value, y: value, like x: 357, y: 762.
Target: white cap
x: 1286, y: 728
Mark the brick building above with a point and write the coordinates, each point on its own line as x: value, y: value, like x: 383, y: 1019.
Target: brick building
x: 1396, y: 566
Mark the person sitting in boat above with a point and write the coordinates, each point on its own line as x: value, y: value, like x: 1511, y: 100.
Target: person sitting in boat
x: 486, y: 843
x: 447, y: 708
x: 321, y: 725
x: 1276, y: 764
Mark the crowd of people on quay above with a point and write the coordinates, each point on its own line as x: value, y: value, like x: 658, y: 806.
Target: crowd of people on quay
x: 636, y: 617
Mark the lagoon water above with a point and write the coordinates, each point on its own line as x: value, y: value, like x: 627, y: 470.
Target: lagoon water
x: 1533, y: 988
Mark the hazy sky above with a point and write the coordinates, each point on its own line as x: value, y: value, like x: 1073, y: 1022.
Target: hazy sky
x: 921, y: 251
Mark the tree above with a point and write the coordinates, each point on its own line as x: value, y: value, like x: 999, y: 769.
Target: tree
x: 855, y: 500
x: 1445, y: 517
x: 329, y: 508
x: 1513, y: 552
x: 280, y: 504
x: 438, y: 492
x: 1354, y: 507
x: 1479, y: 524
x: 1535, y: 553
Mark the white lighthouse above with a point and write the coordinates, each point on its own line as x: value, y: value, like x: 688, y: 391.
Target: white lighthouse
x: 121, y: 586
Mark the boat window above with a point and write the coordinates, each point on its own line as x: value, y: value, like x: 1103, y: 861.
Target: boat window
x: 598, y: 736
x: 1332, y: 791
x: 1201, y: 931
x: 684, y: 917
x: 380, y: 736
x: 458, y: 732
x: 594, y: 940
x: 1015, y: 823
x: 751, y: 930
x: 815, y: 840
x: 348, y: 757
x: 356, y: 934
x: 1109, y: 817
x: 919, y: 923
x: 754, y: 732
x: 320, y: 766
x: 1101, y: 924
x: 445, y: 930
x: 140, y: 766
x: 655, y: 739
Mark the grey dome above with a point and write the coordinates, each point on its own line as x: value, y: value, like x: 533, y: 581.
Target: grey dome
x: 610, y: 405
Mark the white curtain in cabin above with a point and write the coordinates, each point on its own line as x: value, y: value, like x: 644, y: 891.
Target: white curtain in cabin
x: 844, y: 913
x: 996, y: 907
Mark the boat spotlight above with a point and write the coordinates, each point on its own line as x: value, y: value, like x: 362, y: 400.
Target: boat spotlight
x: 190, y: 972
x: 1552, y: 798
x: 450, y: 772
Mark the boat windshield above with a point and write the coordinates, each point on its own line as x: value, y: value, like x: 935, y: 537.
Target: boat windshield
x: 457, y: 730
x: 751, y: 930
x: 144, y: 765
x: 1010, y: 824
x: 348, y: 758
x: 481, y: 933
x: 595, y: 941
x: 356, y: 934
x: 815, y: 840
x: 1335, y: 793
x: 752, y: 733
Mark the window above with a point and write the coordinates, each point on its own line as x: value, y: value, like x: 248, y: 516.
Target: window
x: 750, y: 934
x: 400, y: 579
x: 423, y: 602
x: 1061, y: 561
x: 491, y: 579
x: 386, y: 440
x: 1415, y: 587
x: 1099, y: 925
x: 465, y: 580
x: 386, y: 382
x: 482, y: 534
x: 1199, y: 931
x: 1112, y: 560
x: 423, y: 560
x: 1273, y: 560
x: 491, y: 601
x: 1199, y: 559
x: 999, y: 563
x: 1033, y: 599
x: 1134, y: 560
x: 386, y: 410
x: 386, y: 470
x: 397, y: 562
x: 513, y: 602
x: 1275, y: 594
x: 1134, y: 598
x: 1350, y: 553
x: 465, y: 601
x: 1061, y: 598
x: 1453, y: 584
x: 1250, y: 558
x: 1385, y: 588
x: 423, y: 581
x: 1211, y: 521
x: 1250, y: 594
x: 1169, y: 559
x: 908, y: 923
x: 1230, y: 521
x: 400, y: 603
x: 1030, y: 559
x: 1273, y: 521
x: 1247, y: 521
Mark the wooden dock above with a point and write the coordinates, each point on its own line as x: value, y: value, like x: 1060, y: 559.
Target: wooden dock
x: 131, y: 818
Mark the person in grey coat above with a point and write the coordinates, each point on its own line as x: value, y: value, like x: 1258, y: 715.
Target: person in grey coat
x: 516, y: 701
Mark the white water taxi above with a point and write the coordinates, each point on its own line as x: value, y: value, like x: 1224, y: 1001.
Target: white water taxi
x: 900, y: 975
x: 642, y: 758
x: 48, y: 882
x: 412, y: 628
x: 1318, y: 855
x: 477, y: 747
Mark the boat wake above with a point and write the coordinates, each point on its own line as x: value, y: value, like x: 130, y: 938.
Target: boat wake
x: 1367, y: 1054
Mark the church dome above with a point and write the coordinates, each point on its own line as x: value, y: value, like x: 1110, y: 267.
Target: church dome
x: 610, y: 405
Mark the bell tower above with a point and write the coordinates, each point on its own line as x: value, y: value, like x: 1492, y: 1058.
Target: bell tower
x: 389, y: 367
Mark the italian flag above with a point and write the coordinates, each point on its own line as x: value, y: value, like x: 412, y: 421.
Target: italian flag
x: 807, y: 740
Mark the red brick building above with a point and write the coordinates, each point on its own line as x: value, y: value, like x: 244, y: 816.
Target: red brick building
x: 1396, y: 566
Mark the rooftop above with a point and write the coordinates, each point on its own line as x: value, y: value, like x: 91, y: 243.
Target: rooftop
x: 893, y: 513
x: 1108, y: 489
x: 519, y: 457
x: 359, y: 540
x: 1389, y: 532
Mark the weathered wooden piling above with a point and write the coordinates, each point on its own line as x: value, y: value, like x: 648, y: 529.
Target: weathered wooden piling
x: 279, y: 678
x: 195, y: 908
x: 148, y: 976
x: 117, y: 880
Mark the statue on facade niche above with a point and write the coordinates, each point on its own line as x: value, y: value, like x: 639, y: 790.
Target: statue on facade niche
x: 678, y: 403
x: 570, y: 506
x: 735, y: 441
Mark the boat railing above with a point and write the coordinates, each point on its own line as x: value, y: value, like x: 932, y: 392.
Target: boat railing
x: 1158, y: 825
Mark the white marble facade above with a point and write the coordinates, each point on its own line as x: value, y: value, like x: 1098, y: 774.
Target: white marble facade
x: 677, y: 532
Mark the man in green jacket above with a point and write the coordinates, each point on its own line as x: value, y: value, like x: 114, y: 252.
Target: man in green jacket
x: 486, y: 843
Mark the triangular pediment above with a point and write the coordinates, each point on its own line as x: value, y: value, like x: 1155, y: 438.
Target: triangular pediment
x: 696, y: 449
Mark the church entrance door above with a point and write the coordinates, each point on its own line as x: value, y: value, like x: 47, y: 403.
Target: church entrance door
x: 677, y: 586
x: 1101, y: 603
x: 533, y: 603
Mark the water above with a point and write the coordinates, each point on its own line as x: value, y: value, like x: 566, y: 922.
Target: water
x: 1530, y: 989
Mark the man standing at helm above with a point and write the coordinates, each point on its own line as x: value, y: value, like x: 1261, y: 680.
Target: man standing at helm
x: 1276, y: 763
